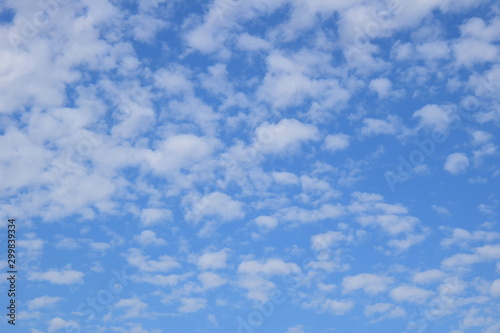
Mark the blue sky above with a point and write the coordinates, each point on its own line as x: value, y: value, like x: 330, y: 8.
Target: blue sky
x: 284, y: 166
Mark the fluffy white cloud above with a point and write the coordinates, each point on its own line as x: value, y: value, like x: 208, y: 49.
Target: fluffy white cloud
x: 433, y: 50
x: 63, y: 276
x: 337, y: 307
x: 178, y: 152
x: 57, y: 324
x: 211, y: 280
x: 382, y: 86
x: 267, y: 222
x: 287, y: 134
x: 481, y: 254
x: 369, y: 283
x: 251, y: 43
x: 151, y: 216
x: 286, y: 178
x: 456, y: 163
x: 216, y: 204
x: 326, y: 240
x: 477, y: 28
x: 306, y: 216
x: 410, y: 294
x: 136, y: 258
x: 268, y: 267
x: 254, y: 274
x: 387, y: 310
x: 148, y: 237
x: 462, y: 237
x: 160, y: 279
x: 393, y: 125
x: 43, y: 302
x: 495, y: 288
x: 212, y: 260
x: 429, y: 276
x: 435, y: 117
x: 470, y: 51
x: 192, y: 304
x: 131, y: 307
x: 296, y: 329
x: 337, y: 142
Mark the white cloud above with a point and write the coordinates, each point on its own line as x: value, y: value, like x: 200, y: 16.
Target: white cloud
x: 254, y: 274
x: 266, y: 222
x: 178, y: 152
x: 291, y: 79
x: 132, y: 308
x: 148, y: 237
x: 296, y: 329
x: 287, y: 134
x: 326, y: 240
x: 33, y: 246
x: 382, y: 86
x: 63, y: 276
x: 164, y: 263
x: 212, y: 260
x: 429, y: 276
x: 326, y: 211
x: 480, y: 137
x: 43, y: 302
x: 251, y: 43
x: 258, y: 288
x: 481, y: 254
x: 56, y: 324
x: 435, y: 117
x: 192, y: 304
x: 213, y: 319
x: 99, y: 246
x: 216, y: 204
x: 369, y: 283
x: 476, y: 27
x: 268, y: 267
x: 286, y: 178
x: 160, y: 279
x: 410, y: 294
x: 391, y: 223
x: 463, y: 237
x: 211, y: 280
x: 456, y: 163
x: 495, y: 288
x: 387, y: 310
x: 441, y: 210
x: 337, y: 308
x: 67, y: 244
x: 470, y: 51
x: 393, y: 125
x: 152, y: 216
x: 434, y: 50
x: 337, y: 142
